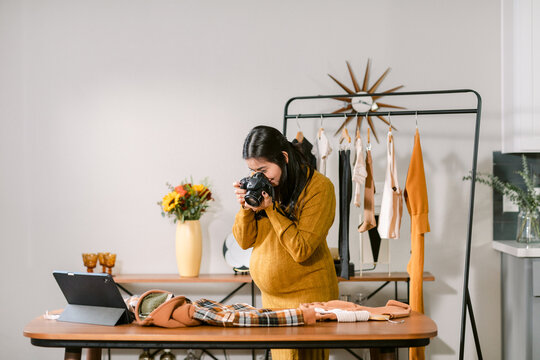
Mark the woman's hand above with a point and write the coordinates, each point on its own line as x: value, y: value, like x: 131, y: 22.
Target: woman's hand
x: 240, y: 193
x: 267, y: 201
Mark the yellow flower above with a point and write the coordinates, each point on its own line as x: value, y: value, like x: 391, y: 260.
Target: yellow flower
x: 170, y: 201
x: 199, y: 188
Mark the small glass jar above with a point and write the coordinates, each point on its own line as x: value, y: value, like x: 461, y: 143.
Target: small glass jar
x: 528, y: 226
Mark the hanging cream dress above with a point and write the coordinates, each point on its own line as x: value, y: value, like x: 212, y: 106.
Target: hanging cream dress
x: 321, y: 150
x: 359, y: 172
x: 392, y: 198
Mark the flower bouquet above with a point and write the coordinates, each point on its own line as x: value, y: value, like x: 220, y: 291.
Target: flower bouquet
x: 185, y: 201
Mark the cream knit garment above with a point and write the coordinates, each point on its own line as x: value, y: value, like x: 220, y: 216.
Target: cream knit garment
x: 392, y: 198
x: 359, y: 172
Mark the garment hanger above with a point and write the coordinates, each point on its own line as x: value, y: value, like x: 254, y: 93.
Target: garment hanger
x: 299, y: 134
x: 358, y: 126
x: 345, y: 133
x: 390, y: 121
x: 368, y: 146
x: 416, y: 119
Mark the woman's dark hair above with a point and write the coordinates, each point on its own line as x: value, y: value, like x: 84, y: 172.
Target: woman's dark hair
x: 269, y: 143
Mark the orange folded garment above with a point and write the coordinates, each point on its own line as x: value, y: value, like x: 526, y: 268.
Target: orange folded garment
x: 173, y: 313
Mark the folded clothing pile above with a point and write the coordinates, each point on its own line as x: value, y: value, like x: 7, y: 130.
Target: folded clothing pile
x: 162, y: 308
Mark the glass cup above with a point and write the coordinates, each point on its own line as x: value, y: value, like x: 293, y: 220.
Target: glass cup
x: 109, y: 260
x: 90, y: 261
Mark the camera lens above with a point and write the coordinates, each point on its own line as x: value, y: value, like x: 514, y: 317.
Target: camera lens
x: 252, y: 200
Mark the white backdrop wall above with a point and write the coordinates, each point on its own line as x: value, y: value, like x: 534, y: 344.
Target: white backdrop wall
x: 103, y: 102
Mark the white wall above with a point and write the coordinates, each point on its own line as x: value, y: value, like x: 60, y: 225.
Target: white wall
x: 103, y: 102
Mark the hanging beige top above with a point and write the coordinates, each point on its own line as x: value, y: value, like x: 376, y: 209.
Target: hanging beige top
x: 322, y: 150
x: 369, y: 197
x: 392, y: 198
x: 359, y: 172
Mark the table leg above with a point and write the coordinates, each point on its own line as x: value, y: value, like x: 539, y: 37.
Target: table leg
x: 93, y: 354
x: 382, y: 353
x: 72, y: 354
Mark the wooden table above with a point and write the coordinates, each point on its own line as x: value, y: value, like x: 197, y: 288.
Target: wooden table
x: 416, y: 330
x: 384, y: 277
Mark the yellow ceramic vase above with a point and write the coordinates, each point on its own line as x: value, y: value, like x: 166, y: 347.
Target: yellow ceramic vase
x: 188, y: 247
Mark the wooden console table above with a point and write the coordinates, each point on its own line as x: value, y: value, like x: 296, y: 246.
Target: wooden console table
x: 384, y: 277
x: 416, y: 330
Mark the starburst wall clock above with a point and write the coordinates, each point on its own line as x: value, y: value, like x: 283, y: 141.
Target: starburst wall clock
x: 364, y: 104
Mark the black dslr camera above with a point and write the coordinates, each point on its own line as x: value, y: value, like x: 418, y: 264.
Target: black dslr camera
x: 255, y: 185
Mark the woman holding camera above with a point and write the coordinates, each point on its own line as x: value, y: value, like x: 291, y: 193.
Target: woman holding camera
x: 290, y: 263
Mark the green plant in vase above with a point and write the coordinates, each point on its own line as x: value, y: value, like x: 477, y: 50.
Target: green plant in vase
x: 528, y: 200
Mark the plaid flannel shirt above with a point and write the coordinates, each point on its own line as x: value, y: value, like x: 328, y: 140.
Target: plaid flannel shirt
x: 244, y: 315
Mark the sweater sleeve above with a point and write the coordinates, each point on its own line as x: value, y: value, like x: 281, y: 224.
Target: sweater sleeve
x: 245, y: 228
x: 300, y: 239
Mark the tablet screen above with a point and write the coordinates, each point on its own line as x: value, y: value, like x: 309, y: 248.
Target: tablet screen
x: 93, y: 289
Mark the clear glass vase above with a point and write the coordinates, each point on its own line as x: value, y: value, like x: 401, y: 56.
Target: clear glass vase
x: 528, y: 226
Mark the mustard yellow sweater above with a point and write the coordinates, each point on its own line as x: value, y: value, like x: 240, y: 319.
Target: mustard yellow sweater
x: 291, y: 262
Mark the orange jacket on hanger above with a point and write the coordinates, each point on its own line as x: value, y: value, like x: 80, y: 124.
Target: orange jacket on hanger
x: 416, y: 199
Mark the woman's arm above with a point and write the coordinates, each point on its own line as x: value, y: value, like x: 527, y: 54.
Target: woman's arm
x: 316, y: 216
x: 245, y: 228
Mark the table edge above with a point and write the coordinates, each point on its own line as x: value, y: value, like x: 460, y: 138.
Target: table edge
x: 231, y: 344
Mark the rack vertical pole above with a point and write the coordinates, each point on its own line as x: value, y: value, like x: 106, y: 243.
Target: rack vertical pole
x: 466, y: 301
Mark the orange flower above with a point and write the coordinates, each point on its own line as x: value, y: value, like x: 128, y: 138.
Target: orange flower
x: 180, y: 190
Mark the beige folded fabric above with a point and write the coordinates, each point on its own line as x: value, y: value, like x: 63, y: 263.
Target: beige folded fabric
x: 392, y: 310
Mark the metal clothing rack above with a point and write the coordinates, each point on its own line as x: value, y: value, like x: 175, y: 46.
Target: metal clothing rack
x: 466, y: 305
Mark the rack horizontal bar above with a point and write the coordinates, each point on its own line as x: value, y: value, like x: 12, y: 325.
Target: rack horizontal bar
x: 391, y: 113
x: 381, y: 94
